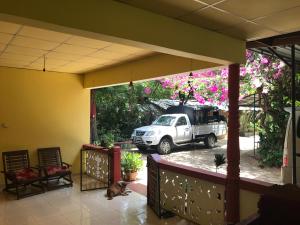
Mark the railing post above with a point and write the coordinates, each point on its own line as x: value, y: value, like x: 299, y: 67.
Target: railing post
x: 232, y: 192
x: 153, y: 185
x: 115, y: 164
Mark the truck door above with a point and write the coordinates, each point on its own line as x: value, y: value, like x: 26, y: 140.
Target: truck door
x: 183, y: 130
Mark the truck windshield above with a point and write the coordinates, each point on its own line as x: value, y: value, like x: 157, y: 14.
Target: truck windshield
x: 164, y: 121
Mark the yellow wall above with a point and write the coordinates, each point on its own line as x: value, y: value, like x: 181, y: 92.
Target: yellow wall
x: 248, y: 203
x: 43, y: 109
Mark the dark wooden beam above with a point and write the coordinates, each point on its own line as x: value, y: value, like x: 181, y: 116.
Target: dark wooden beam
x: 279, y: 40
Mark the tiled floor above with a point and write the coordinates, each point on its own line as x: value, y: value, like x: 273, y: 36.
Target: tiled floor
x: 69, y: 206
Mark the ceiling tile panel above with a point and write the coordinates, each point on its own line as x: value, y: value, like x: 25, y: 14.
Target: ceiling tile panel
x: 103, y: 54
x: 26, y: 47
x: 24, y: 51
x: 33, y: 43
x: 212, y: 19
x: 122, y: 49
x: 256, y: 8
x: 18, y: 56
x: 171, y: 8
x: 74, y: 49
x: 43, y: 34
x: 2, y: 47
x: 9, y: 28
x: 285, y: 21
x: 210, y: 2
x: 51, y: 62
x: 5, y: 38
x: 92, y: 60
x: 63, y: 56
x: 19, y: 62
x: 87, y: 42
x: 12, y: 64
x: 249, y: 31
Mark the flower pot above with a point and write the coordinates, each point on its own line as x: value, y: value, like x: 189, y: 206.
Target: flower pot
x: 130, y: 176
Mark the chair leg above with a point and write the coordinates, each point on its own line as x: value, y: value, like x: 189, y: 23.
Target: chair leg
x: 17, y: 192
x: 71, y: 181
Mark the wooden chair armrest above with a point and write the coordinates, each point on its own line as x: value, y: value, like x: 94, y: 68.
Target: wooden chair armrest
x: 35, y: 167
x: 67, y: 164
x: 252, y: 220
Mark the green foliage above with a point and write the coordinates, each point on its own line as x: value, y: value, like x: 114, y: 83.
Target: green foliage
x: 131, y: 162
x: 120, y: 109
x: 271, y: 144
x: 246, y: 122
x: 219, y: 160
x: 107, y: 139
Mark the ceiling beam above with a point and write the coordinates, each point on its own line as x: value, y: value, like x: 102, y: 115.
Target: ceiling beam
x: 280, y: 40
x: 148, y: 68
x: 120, y: 23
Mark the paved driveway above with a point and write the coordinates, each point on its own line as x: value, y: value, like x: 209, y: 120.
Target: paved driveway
x: 200, y: 157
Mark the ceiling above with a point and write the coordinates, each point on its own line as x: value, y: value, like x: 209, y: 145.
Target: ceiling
x: 244, y: 19
x: 25, y: 47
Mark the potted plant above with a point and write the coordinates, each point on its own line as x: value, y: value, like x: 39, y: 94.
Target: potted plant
x: 219, y: 160
x: 131, y: 163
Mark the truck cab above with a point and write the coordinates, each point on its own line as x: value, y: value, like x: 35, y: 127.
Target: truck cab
x: 180, y: 125
x: 287, y: 162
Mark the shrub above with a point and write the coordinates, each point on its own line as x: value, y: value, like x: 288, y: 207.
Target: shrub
x: 131, y: 162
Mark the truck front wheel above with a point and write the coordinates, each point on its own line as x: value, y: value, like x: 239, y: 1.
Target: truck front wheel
x: 164, y: 146
x: 210, y: 141
x: 141, y: 148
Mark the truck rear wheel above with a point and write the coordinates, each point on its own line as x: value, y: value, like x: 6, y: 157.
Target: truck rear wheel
x: 164, y: 146
x: 210, y: 141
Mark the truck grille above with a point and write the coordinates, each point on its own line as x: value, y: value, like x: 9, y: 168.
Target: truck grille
x: 138, y: 141
x: 140, y: 133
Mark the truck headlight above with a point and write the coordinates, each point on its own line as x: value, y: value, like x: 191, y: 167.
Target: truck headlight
x: 149, y: 133
x: 133, y: 134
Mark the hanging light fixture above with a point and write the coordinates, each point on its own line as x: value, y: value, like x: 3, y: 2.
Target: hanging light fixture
x: 44, y: 68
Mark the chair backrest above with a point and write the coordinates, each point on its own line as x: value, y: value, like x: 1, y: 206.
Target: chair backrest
x: 15, y: 160
x: 49, y: 157
x: 280, y: 205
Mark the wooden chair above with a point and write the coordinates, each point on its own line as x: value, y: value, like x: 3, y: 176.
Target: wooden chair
x: 278, y: 206
x: 56, y: 173
x: 18, y: 174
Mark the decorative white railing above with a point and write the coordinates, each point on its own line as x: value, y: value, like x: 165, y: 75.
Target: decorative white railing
x: 99, y: 166
x: 195, y: 194
x: 194, y: 199
x: 96, y: 163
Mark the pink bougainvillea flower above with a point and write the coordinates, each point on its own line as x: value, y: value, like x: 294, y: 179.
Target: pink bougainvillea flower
x: 264, y: 61
x: 278, y: 74
x: 214, y: 88
x: 243, y: 71
x: 210, y: 73
x: 147, y: 90
x: 224, y: 72
x: 165, y: 83
x: 248, y: 54
x: 199, y: 98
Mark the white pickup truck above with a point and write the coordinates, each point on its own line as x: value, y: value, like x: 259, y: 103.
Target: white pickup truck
x: 181, y: 125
